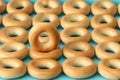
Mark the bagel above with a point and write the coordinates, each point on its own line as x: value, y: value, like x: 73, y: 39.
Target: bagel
x: 53, y: 35
x: 76, y: 6
x: 20, y: 6
x: 17, y: 19
x: 79, y: 67
x: 105, y: 50
x: 103, y: 20
x: 78, y: 48
x: 13, y: 50
x: 103, y: 7
x: 48, y: 6
x: 13, y: 34
x: 105, y: 34
x: 11, y: 68
x: 72, y: 34
x: 109, y: 68
x: 44, y: 68
x: 46, y: 18
x: 75, y: 20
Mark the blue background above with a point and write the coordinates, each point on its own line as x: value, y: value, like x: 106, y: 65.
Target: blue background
x: 61, y: 60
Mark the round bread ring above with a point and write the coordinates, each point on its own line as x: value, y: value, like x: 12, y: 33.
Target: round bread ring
x: 103, y: 20
x: 48, y: 6
x: 75, y: 20
x: 17, y: 68
x: 72, y: 34
x: 76, y: 6
x: 13, y: 34
x: 20, y: 6
x: 79, y: 67
x: 110, y: 68
x: 119, y: 22
x: 35, y: 68
x: 105, y: 34
x: 103, y: 7
x: 46, y: 18
x: 78, y: 48
x: 102, y: 48
x: 54, y: 54
x: 2, y: 6
x: 119, y: 8
x: 17, y: 19
x: 53, y: 35
x: 13, y: 50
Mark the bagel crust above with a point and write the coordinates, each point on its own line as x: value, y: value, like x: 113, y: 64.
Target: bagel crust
x: 78, y: 48
x: 103, y: 7
x: 109, y: 68
x: 13, y: 49
x: 102, y: 48
x: 48, y: 6
x: 36, y: 71
x: 46, y: 18
x: 17, y: 19
x: 18, y: 68
x: 53, y: 35
x: 75, y: 20
x: 73, y: 34
x: 79, y: 67
x: 103, y: 20
x: 13, y: 34
x: 76, y: 6
x: 105, y: 34
x: 54, y: 54
x: 20, y: 6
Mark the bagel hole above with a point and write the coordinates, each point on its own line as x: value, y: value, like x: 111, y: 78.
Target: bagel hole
x: 76, y: 7
x: 12, y: 35
x: 79, y: 50
x: 109, y: 51
x: 76, y: 65
x: 74, y: 21
x: 19, y: 7
x: 103, y: 22
x: 11, y: 50
x: 112, y: 66
x: 47, y: 6
x: 43, y: 67
x: 46, y: 20
x: 8, y: 67
x: 103, y: 7
x: 105, y: 34
x: 74, y: 35
x: 43, y: 35
x: 16, y: 19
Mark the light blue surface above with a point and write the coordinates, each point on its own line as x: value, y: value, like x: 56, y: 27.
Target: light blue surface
x: 61, y: 60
